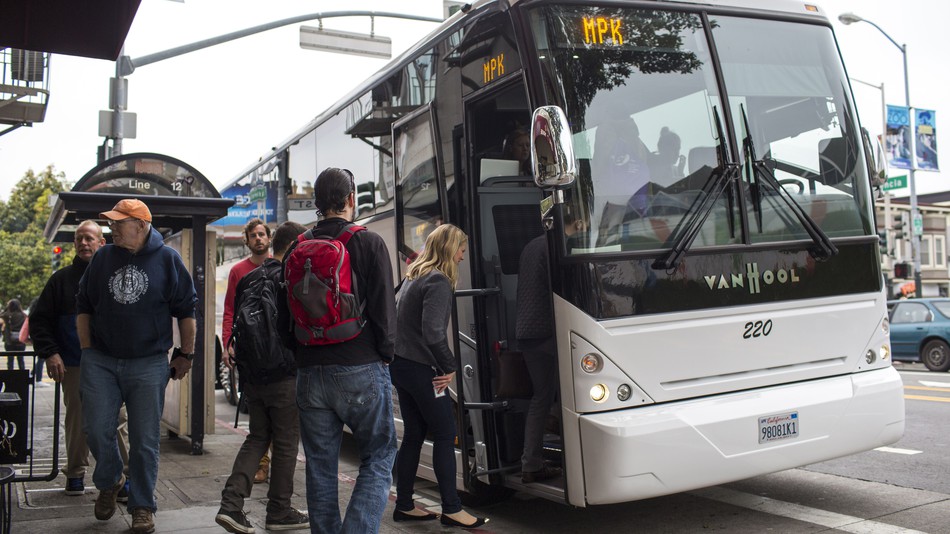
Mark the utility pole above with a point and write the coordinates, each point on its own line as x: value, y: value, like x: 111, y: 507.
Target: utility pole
x: 113, y: 124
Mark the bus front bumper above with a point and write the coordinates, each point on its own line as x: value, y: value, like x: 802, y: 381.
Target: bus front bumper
x: 679, y: 446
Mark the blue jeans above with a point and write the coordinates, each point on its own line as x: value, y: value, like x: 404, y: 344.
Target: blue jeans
x: 424, y: 413
x: 359, y: 396
x: 105, y: 383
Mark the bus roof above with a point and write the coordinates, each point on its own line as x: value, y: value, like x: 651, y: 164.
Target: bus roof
x: 789, y: 7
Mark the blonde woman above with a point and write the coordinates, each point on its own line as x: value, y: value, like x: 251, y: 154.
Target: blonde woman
x: 424, y: 366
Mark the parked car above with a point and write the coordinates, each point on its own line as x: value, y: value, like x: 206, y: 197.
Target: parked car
x: 920, y: 331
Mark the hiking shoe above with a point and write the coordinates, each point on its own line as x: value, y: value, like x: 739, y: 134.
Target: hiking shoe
x: 294, y: 520
x: 123, y: 495
x: 75, y: 486
x: 105, y: 502
x: 142, y: 522
x: 234, y: 522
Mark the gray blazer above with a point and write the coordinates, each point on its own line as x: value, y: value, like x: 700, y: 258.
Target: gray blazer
x: 423, y: 307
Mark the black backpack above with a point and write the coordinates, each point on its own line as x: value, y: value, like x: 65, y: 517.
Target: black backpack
x: 260, y: 355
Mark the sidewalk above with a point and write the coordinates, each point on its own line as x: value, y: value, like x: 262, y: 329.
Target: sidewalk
x: 188, y: 490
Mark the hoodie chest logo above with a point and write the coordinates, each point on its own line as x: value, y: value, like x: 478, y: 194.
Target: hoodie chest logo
x: 128, y: 284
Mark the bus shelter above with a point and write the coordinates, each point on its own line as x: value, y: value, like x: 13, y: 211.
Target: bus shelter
x: 182, y: 202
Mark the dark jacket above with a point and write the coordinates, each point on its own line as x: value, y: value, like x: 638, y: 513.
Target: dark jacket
x: 53, y: 319
x: 12, y: 323
x: 535, y: 315
x: 133, y: 296
x: 422, y: 312
x: 370, y: 263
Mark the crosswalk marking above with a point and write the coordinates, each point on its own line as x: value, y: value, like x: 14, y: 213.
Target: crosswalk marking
x: 898, y: 451
x: 846, y: 523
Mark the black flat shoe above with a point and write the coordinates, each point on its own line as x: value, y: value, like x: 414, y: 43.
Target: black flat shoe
x: 449, y: 522
x: 545, y: 473
x: 399, y: 515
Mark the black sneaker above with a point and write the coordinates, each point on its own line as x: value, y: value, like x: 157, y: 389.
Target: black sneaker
x: 234, y: 522
x: 75, y: 486
x: 123, y: 495
x: 294, y: 520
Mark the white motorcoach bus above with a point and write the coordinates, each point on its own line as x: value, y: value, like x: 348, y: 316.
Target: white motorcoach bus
x: 723, y: 314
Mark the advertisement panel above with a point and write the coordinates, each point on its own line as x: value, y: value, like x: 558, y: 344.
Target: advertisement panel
x: 926, y: 139
x: 897, y: 142
x: 250, y: 200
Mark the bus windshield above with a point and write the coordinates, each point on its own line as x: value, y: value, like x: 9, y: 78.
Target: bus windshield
x: 642, y: 94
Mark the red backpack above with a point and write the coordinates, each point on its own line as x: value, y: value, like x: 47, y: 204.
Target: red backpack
x: 321, y: 289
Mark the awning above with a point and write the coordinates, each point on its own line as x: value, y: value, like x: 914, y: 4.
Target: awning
x: 87, y: 28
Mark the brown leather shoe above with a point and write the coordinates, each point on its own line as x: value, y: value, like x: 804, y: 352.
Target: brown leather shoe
x: 261, y: 475
x: 142, y: 522
x: 105, y: 502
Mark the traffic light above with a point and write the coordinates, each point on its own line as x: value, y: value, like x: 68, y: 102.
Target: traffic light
x: 57, y: 256
x: 901, y: 270
x: 900, y: 228
x: 365, y: 197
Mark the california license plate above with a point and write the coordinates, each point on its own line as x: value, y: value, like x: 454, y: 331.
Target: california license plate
x: 778, y: 427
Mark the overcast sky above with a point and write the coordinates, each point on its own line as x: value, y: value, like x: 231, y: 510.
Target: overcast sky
x: 221, y: 108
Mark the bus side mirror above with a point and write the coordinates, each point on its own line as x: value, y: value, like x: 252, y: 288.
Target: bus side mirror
x: 552, y: 149
x: 877, y: 164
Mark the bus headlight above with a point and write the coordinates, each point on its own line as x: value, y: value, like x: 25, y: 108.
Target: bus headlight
x: 591, y: 363
x: 886, y: 326
x: 598, y: 393
x: 623, y: 392
x: 885, y: 352
x: 870, y: 356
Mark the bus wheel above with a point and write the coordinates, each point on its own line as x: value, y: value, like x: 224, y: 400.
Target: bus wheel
x: 485, y: 494
x: 936, y: 355
x: 229, y: 383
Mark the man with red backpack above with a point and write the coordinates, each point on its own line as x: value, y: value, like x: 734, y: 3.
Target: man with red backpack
x: 340, y: 300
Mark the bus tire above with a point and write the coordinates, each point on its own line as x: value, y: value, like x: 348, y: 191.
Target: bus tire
x: 484, y: 494
x: 936, y: 355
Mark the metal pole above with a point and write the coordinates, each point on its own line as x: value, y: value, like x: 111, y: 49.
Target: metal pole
x: 914, y: 212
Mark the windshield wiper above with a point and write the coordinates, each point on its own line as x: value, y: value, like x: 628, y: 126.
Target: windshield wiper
x: 823, y: 248
x: 722, y: 177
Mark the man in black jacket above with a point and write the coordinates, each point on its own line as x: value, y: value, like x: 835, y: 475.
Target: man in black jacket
x: 272, y: 412
x: 53, y: 329
x: 349, y: 383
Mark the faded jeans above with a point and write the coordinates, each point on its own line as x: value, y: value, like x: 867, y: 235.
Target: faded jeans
x: 359, y: 396
x: 106, y: 383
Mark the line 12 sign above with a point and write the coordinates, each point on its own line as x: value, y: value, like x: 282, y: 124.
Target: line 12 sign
x: 602, y: 30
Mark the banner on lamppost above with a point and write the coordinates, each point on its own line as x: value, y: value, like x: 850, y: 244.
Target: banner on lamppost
x: 926, y: 139
x: 897, y: 143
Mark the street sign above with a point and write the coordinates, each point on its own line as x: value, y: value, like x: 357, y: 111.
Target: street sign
x: 257, y: 193
x: 895, y: 182
x: 919, y: 225
x: 358, y: 44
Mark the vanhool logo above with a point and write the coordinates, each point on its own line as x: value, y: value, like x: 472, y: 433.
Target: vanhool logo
x: 751, y: 278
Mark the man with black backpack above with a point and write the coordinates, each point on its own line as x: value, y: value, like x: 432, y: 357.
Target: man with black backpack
x: 267, y: 369
x: 339, y: 283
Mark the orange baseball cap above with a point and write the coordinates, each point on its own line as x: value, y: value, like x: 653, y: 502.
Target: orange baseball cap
x: 128, y: 207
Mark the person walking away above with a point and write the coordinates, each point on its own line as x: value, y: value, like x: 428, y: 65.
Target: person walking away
x: 53, y: 329
x: 272, y: 410
x: 257, y: 240
x: 538, y: 343
x: 348, y: 382
x: 126, y: 301
x: 13, y: 318
x: 423, y: 368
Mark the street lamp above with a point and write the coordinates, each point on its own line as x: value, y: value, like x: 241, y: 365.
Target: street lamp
x: 849, y: 18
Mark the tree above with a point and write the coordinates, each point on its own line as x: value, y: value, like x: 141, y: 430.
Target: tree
x: 24, y: 252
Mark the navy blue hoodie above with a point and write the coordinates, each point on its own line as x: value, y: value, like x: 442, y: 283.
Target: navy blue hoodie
x: 131, y: 298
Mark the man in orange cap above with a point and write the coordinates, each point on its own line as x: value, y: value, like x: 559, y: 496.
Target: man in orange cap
x: 126, y: 299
